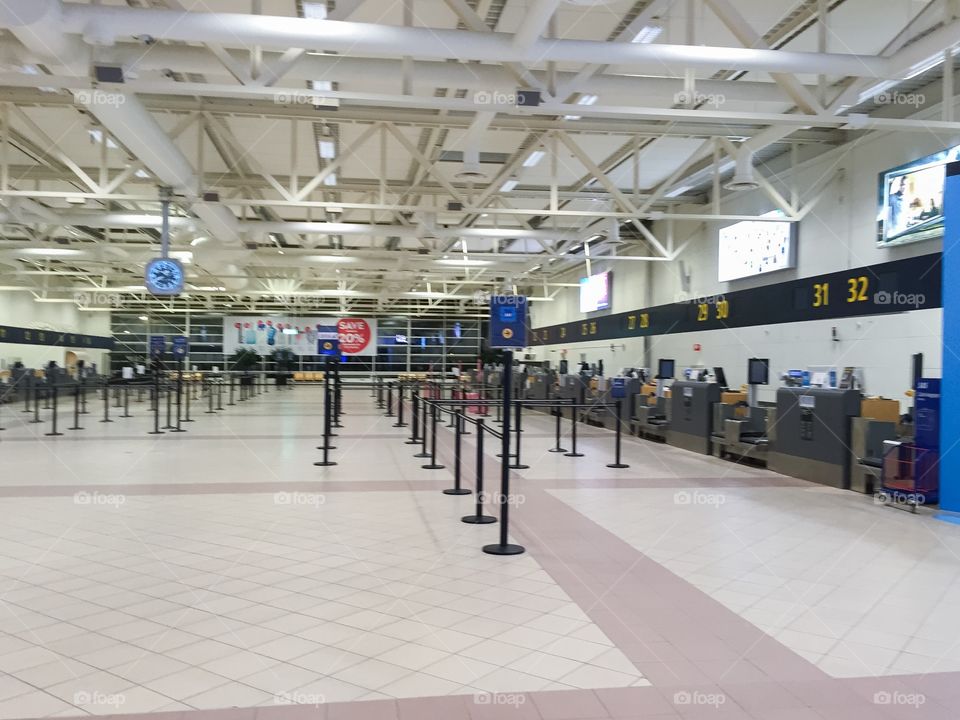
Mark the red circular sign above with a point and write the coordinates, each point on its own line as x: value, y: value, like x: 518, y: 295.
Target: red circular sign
x: 354, y: 334
x: 697, y: 347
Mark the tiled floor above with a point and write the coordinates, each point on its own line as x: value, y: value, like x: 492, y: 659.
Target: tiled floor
x: 221, y: 570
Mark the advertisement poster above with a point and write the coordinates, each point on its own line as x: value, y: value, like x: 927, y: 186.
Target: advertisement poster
x: 301, y: 335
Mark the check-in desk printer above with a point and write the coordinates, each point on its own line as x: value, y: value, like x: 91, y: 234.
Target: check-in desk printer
x: 691, y: 416
x: 813, y: 434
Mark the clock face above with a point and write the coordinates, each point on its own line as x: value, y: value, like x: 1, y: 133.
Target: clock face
x: 164, y: 276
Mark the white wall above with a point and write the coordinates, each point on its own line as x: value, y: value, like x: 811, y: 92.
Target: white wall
x: 838, y: 234
x: 18, y: 309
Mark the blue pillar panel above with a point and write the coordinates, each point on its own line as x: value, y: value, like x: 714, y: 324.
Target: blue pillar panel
x: 950, y: 384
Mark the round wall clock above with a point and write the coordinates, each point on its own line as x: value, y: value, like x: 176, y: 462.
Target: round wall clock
x: 164, y: 276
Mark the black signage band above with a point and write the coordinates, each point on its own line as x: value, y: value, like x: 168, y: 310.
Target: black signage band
x: 891, y: 287
x: 53, y: 338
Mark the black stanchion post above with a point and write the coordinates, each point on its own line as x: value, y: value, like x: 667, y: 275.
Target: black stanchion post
x: 230, y: 401
x: 400, y: 423
x: 83, y: 397
x: 616, y: 462
x: 433, y: 465
x: 518, y: 407
x: 126, y: 402
x: 380, y: 393
x: 117, y: 400
x: 28, y: 383
x: 457, y: 435
x: 186, y: 411
x: 178, y: 428
x: 36, y: 404
x: 220, y: 395
x: 53, y: 420
x: 389, y: 412
x: 337, y: 395
x: 106, y: 403
x: 504, y: 547
x: 556, y: 446
x: 423, y: 429
x: 415, y: 420
x: 169, y: 425
x: 574, y: 410
x: 156, y: 400
x: 210, y: 410
x: 478, y: 518
x: 76, y: 409
x: 327, y: 410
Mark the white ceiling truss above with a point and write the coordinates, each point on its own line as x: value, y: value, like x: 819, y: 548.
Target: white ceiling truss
x: 358, y: 156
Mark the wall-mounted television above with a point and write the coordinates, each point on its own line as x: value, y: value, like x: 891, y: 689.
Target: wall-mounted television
x: 911, y: 200
x: 755, y: 247
x: 595, y: 292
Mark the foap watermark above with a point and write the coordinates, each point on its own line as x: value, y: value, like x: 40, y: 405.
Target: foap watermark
x: 898, y: 497
x: 498, y: 498
x: 899, y: 299
x: 496, y: 97
x: 94, y: 298
x: 299, y: 498
x: 300, y: 301
x: 893, y: 97
x: 698, y: 497
x: 299, y: 698
x: 481, y: 297
x: 691, y: 99
x: 898, y: 697
x: 99, y: 98
x: 100, y: 699
x: 99, y: 499
x: 700, y: 698
x: 514, y: 700
x: 682, y: 297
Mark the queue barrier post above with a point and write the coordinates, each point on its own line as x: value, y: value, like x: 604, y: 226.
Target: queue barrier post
x: 478, y: 518
x: 53, y: 419
x: 389, y: 412
x: 616, y: 462
x: 574, y: 410
x: 457, y: 443
x: 126, y: 402
x: 415, y: 422
x: 505, y: 547
x: 106, y: 403
x: 326, y: 447
x: 433, y: 464
x: 400, y: 423
x: 36, y: 405
x: 556, y: 443
x: 517, y: 465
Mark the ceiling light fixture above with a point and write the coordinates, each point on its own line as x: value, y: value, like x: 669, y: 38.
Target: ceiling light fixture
x: 534, y: 158
x: 509, y: 185
x: 647, y: 34
x: 328, y: 149
x: 587, y: 100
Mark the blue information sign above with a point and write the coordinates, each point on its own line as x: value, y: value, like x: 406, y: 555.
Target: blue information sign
x: 508, y: 321
x: 618, y: 388
x: 328, y: 340
x: 158, y: 345
x: 181, y: 346
x: 927, y: 411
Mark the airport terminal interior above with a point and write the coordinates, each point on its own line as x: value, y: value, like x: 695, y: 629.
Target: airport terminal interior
x: 480, y: 359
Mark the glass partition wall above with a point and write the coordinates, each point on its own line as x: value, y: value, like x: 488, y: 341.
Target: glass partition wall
x: 403, y: 344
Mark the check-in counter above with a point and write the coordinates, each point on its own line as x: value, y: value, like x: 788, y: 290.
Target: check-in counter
x: 878, y: 422
x: 814, y: 434
x: 691, y: 417
x: 651, y: 415
x: 742, y: 432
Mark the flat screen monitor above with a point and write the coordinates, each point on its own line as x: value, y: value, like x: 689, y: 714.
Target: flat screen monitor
x: 911, y: 200
x: 758, y: 371
x: 666, y: 369
x: 721, y: 376
x: 755, y: 247
x: 595, y: 292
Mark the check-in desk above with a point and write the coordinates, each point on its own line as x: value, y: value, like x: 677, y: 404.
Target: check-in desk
x: 540, y: 384
x: 742, y: 432
x: 651, y: 414
x: 691, y: 416
x: 814, y: 434
x: 878, y: 422
x: 604, y: 413
x: 571, y: 387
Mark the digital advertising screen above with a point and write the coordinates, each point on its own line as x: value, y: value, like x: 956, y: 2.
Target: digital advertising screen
x: 755, y: 247
x: 911, y: 200
x: 595, y: 292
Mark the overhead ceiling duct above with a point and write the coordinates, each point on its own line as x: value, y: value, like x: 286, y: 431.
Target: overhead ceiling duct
x: 743, y: 177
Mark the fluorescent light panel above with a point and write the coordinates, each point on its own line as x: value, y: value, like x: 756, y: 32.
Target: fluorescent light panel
x: 534, y: 158
x: 647, y: 34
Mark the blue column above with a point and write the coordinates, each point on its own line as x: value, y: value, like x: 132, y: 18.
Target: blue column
x: 950, y: 385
